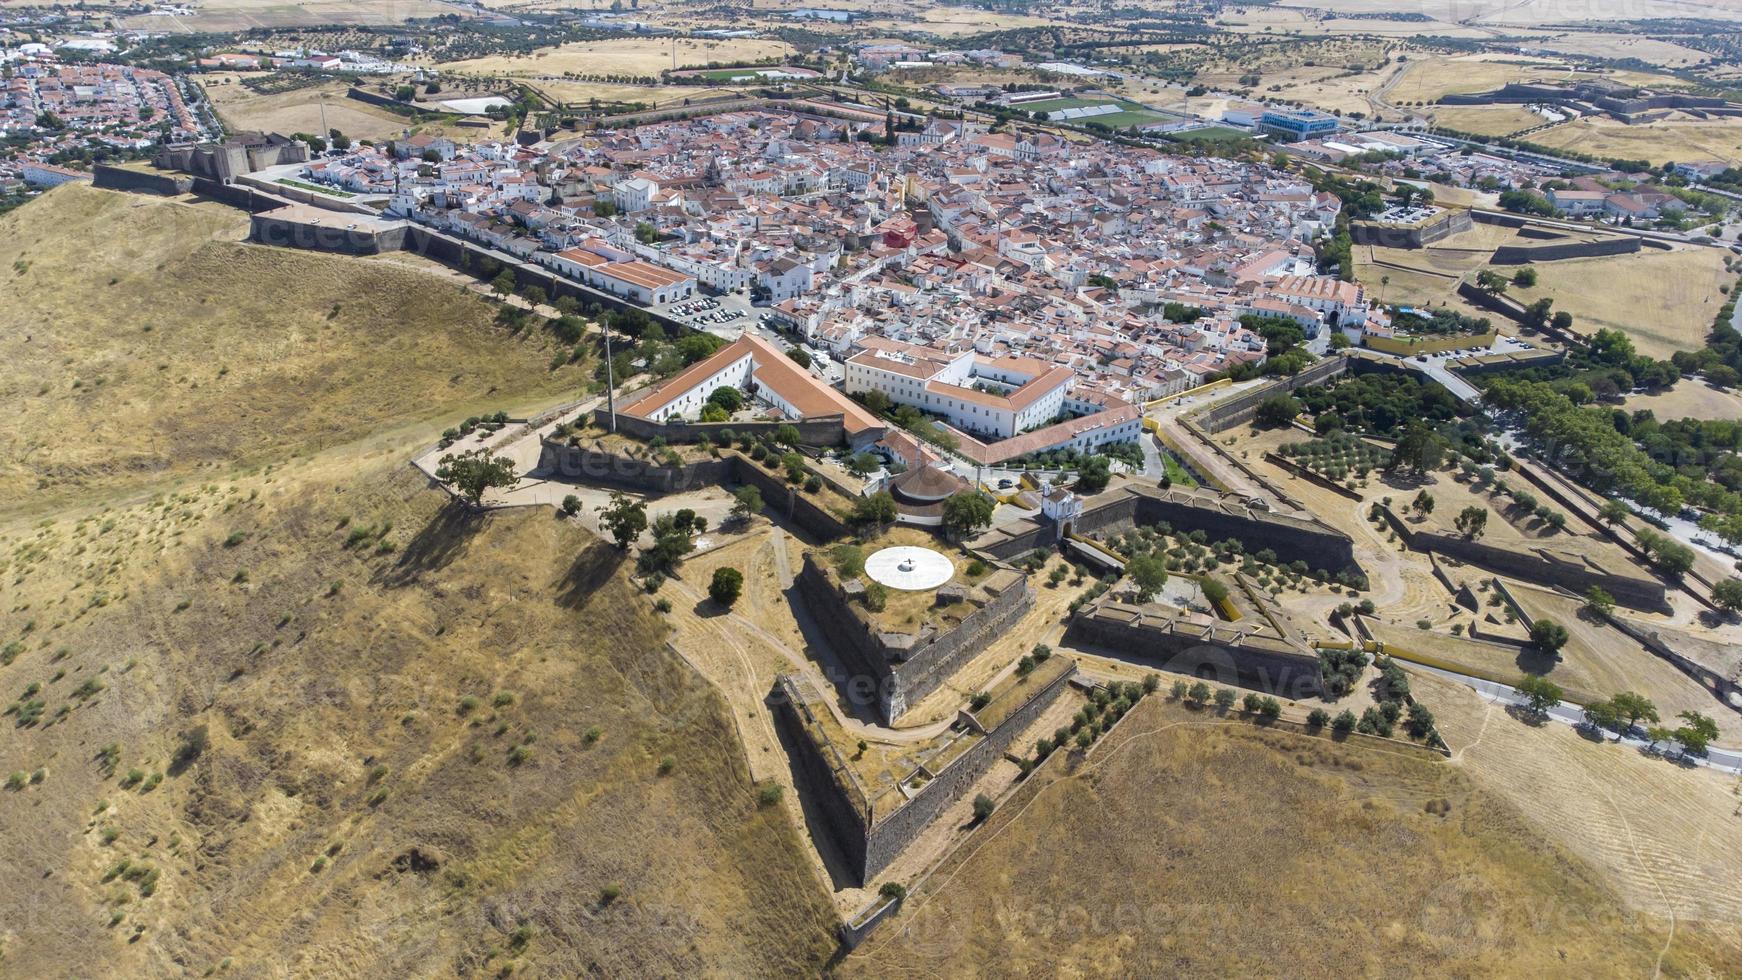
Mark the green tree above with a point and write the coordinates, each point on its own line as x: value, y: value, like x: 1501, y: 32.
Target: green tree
x: 1524, y: 278
x: 727, y: 585
x: 1633, y: 708
x: 1198, y: 693
x: 1093, y: 475
x: 645, y: 233
x: 983, y: 807
x: 1697, y: 735
x: 504, y: 283
x: 727, y: 397
x: 1224, y: 698
x: 799, y: 356
x: 1419, y: 450
x: 746, y: 501
x: 1148, y: 574
x: 1215, y: 593
x: 1472, y: 521
x: 967, y: 512
x: 1614, y: 512
x: 1598, y: 602
x: 1548, y: 636
x: 1727, y: 595
x: 624, y: 517
x: 476, y: 471
x: 1540, y: 694
x: 1603, y: 715
x: 1423, y: 504
x: 1277, y: 410
x: 877, y: 510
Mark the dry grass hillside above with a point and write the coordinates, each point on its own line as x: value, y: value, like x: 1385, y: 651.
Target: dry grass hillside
x: 397, y: 775
x: 1189, y: 845
x: 140, y: 338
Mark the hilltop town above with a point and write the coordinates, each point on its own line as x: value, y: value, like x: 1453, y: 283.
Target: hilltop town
x: 816, y: 491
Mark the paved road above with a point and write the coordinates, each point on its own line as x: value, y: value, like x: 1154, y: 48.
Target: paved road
x: 1723, y: 760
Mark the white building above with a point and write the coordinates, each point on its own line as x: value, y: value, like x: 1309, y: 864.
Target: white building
x: 998, y: 398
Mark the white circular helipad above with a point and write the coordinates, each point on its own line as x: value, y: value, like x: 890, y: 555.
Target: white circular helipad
x: 909, y: 568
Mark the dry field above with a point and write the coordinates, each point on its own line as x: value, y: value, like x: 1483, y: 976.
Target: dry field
x: 301, y: 111
x: 143, y: 340
x: 1528, y: 13
x: 622, y: 56
x: 1663, y: 836
x: 397, y: 747
x: 1189, y: 844
x: 1486, y: 120
x: 1659, y: 142
x: 1691, y: 398
x: 1619, y: 46
x: 226, y: 16
x: 581, y: 92
x: 1665, y: 301
x: 1430, y: 78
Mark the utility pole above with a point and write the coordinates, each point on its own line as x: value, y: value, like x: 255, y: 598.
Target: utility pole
x: 610, y: 379
x: 326, y: 134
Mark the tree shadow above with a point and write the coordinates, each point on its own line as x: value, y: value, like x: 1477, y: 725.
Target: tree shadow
x: 1530, y: 660
x: 437, y: 545
x: 1523, y: 713
x: 589, y: 572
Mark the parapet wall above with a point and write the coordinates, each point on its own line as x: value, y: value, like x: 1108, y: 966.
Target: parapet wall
x: 1220, y: 653
x: 585, y: 465
x: 827, y: 430
x: 1526, y: 254
x: 1443, y: 225
x: 1536, y: 565
x: 871, y: 841
x: 891, y: 834
x: 141, y: 181
x: 904, y: 668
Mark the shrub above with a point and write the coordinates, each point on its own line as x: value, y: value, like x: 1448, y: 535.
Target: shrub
x: 979, y: 700
x: 727, y: 586
x: 571, y: 505
x: 667, y: 764
x: 983, y: 807
x: 610, y: 893
x: 876, y: 597
x: 768, y: 795
x: 1224, y: 698
x: 1319, y: 718
x: 1345, y: 722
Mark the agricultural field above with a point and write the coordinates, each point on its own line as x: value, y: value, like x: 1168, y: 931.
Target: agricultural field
x: 574, y: 93
x: 639, y: 56
x: 164, y: 346
x: 1665, y: 301
x: 1336, y: 457
x: 1661, y: 142
x: 303, y: 110
x: 1236, y: 818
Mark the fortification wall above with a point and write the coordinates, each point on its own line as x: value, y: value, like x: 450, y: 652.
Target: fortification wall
x: 1527, y: 254
x: 1239, y: 409
x: 789, y: 501
x: 890, y: 835
x: 827, y: 430
x: 1534, y: 566
x: 1320, y: 546
x: 903, y: 668
x: 1446, y: 224
x: 819, y: 762
x: 1260, y: 663
x: 269, y: 229
x: 140, y: 181
x: 584, y: 465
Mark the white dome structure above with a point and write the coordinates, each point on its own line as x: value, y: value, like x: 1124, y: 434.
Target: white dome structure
x: 909, y: 568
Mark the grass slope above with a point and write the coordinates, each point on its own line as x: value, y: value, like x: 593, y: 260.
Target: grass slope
x: 353, y: 814
x: 1192, y: 846
x: 140, y: 338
